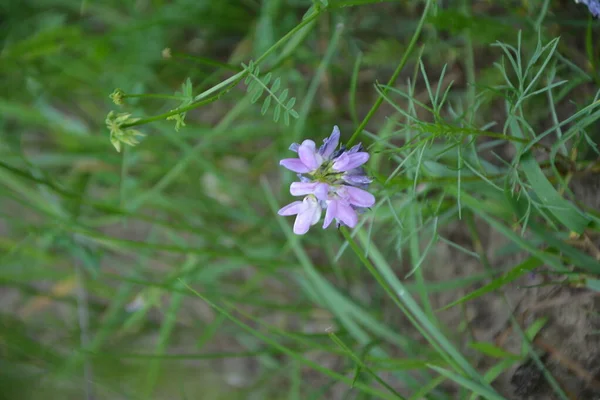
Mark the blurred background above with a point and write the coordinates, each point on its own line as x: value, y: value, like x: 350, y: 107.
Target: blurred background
x: 111, y: 262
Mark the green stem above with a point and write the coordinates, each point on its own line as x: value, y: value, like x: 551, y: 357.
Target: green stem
x: 394, y: 76
x: 229, y: 83
x: 186, y: 108
x: 154, y: 96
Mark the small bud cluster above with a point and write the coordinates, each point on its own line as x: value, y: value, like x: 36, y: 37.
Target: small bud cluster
x: 119, y: 134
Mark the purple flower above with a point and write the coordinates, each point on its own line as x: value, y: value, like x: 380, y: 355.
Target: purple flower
x: 592, y: 5
x: 307, y: 211
x: 335, y: 180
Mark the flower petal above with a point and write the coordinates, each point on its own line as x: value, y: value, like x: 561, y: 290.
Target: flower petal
x: 316, y: 215
x: 329, y: 144
x: 302, y: 188
x: 291, y: 209
x: 357, y: 180
x: 294, y: 164
x: 302, y: 223
x: 319, y: 189
x: 359, y: 197
x: 307, y: 152
x: 331, y: 213
x: 356, y: 148
x: 309, y: 216
x: 294, y: 147
x: 346, y: 161
x: 346, y: 214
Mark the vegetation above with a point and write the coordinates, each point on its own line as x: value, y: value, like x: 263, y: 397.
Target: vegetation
x: 141, y: 254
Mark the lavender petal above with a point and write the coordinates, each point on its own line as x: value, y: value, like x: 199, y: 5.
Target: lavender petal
x: 291, y: 209
x: 347, y: 161
x: 346, y: 214
x: 318, y: 189
x: 331, y: 213
x: 359, y: 197
x: 309, y: 156
x: 294, y: 164
x: 330, y: 143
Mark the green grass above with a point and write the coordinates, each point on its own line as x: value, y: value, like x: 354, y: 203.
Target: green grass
x: 162, y: 270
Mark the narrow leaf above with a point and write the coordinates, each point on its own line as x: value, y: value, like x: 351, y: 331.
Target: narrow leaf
x: 291, y: 103
x: 256, y: 95
x: 265, y: 106
x: 526, y: 266
x: 467, y: 383
x: 283, y: 96
x: 276, y: 85
x: 563, y: 210
x: 267, y: 79
x: 493, y: 351
x: 277, y: 113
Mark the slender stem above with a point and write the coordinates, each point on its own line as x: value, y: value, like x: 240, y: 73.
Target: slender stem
x: 84, y: 331
x: 154, y: 96
x: 394, y: 76
x: 183, y: 109
x: 288, y: 35
x: 227, y: 84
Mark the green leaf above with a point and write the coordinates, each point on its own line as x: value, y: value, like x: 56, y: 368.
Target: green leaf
x: 467, y: 383
x: 526, y: 266
x: 256, y: 95
x: 532, y: 331
x: 187, y: 88
x: 265, y: 106
x: 493, y: 351
x: 277, y: 113
x: 283, y: 96
x: 286, y: 117
x: 267, y: 79
x: 294, y: 114
x: 251, y: 86
x: 291, y: 103
x: 578, y: 258
x: 563, y: 210
x: 276, y: 85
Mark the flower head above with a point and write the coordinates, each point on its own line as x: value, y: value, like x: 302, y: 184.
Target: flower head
x: 118, y: 97
x: 120, y: 134
x: 332, y: 179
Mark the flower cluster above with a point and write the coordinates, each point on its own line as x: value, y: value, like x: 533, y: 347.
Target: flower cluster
x: 592, y: 5
x: 120, y: 134
x: 331, y: 179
